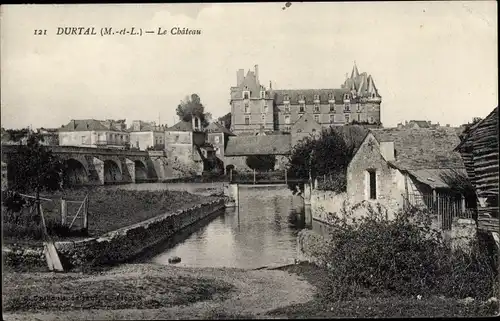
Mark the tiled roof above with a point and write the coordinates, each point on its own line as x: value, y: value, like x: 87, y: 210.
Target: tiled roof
x: 258, y: 145
x: 182, y: 126
x: 86, y: 125
x: 308, y: 94
x: 422, y: 148
x: 218, y: 128
x: 432, y: 177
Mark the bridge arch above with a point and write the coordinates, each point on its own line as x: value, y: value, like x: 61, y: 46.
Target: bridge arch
x: 112, y: 172
x: 75, y: 172
x: 141, y: 170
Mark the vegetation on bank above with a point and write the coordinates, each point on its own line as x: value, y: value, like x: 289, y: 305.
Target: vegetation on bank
x: 57, y: 292
x: 109, y: 209
x: 325, y: 156
x: 376, y: 267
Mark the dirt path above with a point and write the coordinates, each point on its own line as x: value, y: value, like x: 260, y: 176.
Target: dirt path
x: 257, y: 292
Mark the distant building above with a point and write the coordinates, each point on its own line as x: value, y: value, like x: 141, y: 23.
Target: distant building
x: 144, y: 135
x: 50, y: 136
x: 419, y: 124
x: 254, y: 106
x: 218, y: 136
x: 95, y: 133
x: 183, y: 142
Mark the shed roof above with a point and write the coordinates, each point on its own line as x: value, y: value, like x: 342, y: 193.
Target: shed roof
x: 432, y: 177
x: 259, y: 145
x: 422, y: 148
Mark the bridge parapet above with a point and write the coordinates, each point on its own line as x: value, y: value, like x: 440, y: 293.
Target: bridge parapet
x: 57, y: 149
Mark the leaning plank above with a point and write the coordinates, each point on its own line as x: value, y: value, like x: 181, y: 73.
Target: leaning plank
x: 49, y: 248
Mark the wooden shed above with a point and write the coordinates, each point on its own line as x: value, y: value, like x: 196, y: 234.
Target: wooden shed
x: 479, y: 150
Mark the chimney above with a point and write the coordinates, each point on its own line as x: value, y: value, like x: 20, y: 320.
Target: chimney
x: 240, y: 75
x: 270, y: 85
x: 387, y: 151
x: 74, y: 124
x: 257, y: 73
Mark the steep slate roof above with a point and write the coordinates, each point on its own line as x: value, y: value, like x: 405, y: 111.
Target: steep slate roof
x: 259, y: 145
x: 218, y: 128
x: 182, y: 126
x: 86, y: 125
x: 422, y: 148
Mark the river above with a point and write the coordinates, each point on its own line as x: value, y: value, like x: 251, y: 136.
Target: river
x: 261, y: 232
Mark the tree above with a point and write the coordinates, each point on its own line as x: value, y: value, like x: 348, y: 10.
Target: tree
x: 329, y: 154
x: 227, y: 120
x: 192, y: 106
x: 16, y: 135
x: 34, y: 168
x: 262, y: 163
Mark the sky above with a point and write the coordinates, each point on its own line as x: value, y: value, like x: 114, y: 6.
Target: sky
x: 432, y: 61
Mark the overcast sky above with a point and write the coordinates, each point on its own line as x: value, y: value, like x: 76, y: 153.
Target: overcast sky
x: 430, y: 60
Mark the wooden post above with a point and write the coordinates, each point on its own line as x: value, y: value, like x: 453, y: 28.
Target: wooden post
x: 64, y: 212
x: 286, y: 177
x: 462, y: 202
x: 85, y: 213
x: 254, y: 176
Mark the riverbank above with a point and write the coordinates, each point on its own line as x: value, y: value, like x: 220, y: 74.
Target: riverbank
x: 109, y: 210
x: 372, y: 306
x: 150, y: 291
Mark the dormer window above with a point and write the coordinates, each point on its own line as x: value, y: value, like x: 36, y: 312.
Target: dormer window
x: 302, y: 108
x: 316, y: 107
x: 246, y: 94
x: 346, y: 96
x: 316, y: 98
x: 302, y: 99
x: 286, y: 98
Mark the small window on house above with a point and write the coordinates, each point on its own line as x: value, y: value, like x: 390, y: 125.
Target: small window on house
x: 372, y: 184
x: 247, y: 120
x: 302, y: 108
x: 216, y: 139
x: 246, y: 95
x: 287, y: 119
x: 287, y: 107
x: 316, y: 108
x: 316, y: 118
x: 83, y: 139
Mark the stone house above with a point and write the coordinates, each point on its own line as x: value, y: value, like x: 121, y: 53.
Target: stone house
x: 218, y: 137
x: 50, y: 136
x: 144, y: 135
x: 183, y: 142
x: 95, y: 133
x: 396, y: 167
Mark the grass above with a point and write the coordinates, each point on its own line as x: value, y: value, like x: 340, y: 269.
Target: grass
x: 27, y: 292
x: 370, y: 306
x: 108, y: 210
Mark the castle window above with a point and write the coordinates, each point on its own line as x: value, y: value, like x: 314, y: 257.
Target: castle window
x: 302, y: 108
x: 347, y: 106
x: 246, y: 95
x: 316, y: 98
x: 216, y: 139
x: 316, y: 108
x: 358, y: 117
x: 263, y: 118
x: 347, y: 118
x: 373, y: 95
x: 332, y: 119
x: 358, y: 106
x: 247, y: 108
x: 287, y: 107
x: 372, y: 184
x: 286, y: 98
x: 287, y: 119
x: 287, y: 128
x: 371, y: 120
x: 332, y: 107
x: 262, y: 94
x: 265, y: 108
x: 247, y: 120
x: 316, y: 118
x: 346, y: 96
x: 302, y: 99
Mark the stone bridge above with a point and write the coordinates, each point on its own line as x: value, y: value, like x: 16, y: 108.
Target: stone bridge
x: 99, y: 166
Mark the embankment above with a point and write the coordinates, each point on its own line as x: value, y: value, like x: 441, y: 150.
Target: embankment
x: 116, y: 246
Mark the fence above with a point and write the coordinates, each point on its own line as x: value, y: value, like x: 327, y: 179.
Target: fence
x: 446, y: 207
x: 65, y: 210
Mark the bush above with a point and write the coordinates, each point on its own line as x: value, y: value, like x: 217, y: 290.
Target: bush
x: 402, y: 256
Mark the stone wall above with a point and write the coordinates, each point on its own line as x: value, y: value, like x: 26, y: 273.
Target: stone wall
x: 125, y: 243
